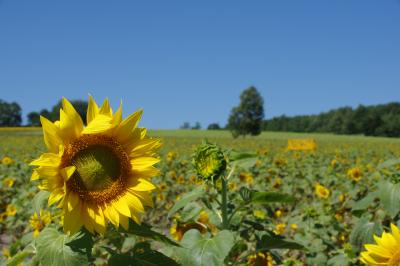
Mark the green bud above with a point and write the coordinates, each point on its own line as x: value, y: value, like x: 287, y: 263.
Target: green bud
x: 209, y: 161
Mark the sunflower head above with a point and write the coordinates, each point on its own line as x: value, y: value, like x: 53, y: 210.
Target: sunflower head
x: 321, y: 191
x: 209, y: 161
x: 386, y: 251
x: 99, y: 172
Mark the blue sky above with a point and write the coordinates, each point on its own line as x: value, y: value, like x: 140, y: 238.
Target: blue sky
x: 189, y: 60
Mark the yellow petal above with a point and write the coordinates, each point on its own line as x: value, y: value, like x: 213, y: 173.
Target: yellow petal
x: 124, y: 131
x: 67, y: 172
x: 395, y: 232
x: 122, y: 207
x: 99, y: 124
x: 35, y: 175
x: 69, y: 109
x: 72, y: 222
x: 140, y: 184
x: 55, y: 196
x: 135, y: 205
x: 144, y: 197
x: 382, y: 252
x: 47, y: 172
x: 51, y: 135
x: 146, y: 146
x: 105, y: 108
x: 68, y: 127
x: 117, y: 116
x: 112, y: 215
x: 73, y: 200
x: 47, y: 159
x: 92, y: 110
x: 124, y: 221
x: 143, y: 162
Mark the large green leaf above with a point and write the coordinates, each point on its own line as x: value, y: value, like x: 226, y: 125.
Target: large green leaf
x: 199, y: 250
x: 53, y: 249
x: 40, y: 200
x: 145, y: 230
x: 389, y: 195
x: 186, y: 198
x: 141, y: 255
x: 262, y: 197
x: 272, y: 241
x: 365, y: 202
x: 190, y: 211
x: 363, y: 233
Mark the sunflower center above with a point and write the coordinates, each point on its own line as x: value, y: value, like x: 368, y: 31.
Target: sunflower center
x: 395, y: 260
x: 102, y: 168
x: 97, y: 167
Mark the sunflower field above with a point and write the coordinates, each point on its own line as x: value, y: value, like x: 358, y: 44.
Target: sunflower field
x: 107, y: 192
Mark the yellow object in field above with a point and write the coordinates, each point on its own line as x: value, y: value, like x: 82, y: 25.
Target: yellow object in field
x: 302, y: 145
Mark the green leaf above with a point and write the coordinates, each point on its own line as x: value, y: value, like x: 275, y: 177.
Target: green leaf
x: 142, y: 255
x: 186, y: 198
x: 82, y: 243
x: 388, y: 163
x: 201, y: 250
x: 190, y: 211
x: 363, y: 233
x: 258, y: 197
x: 18, y: 258
x: 245, y: 193
x: 235, y: 156
x: 272, y: 241
x: 40, y: 200
x: 53, y: 249
x: 144, y: 230
x: 339, y: 260
x: 389, y: 194
x: 365, y: 202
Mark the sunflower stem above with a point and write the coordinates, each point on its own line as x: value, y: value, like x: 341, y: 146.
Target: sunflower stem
x: 224, y: 204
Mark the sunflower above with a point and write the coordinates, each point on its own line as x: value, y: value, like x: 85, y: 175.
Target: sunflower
x: 387, y: 250
x: 321, y: 191
x: 100, y: 172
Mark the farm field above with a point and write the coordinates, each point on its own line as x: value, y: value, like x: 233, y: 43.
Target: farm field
x: 344, y: 193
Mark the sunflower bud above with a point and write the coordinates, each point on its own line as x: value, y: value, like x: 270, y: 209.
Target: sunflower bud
x: 209, y: 161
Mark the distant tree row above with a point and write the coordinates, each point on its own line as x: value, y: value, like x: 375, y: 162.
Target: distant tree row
x: 375, y: 120
x: 54, y: 113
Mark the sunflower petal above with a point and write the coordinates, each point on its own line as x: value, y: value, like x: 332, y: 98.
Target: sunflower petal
x: 92, y: 110
x: 51, y: 134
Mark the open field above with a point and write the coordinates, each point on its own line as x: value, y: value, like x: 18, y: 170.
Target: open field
x: 350, y: 168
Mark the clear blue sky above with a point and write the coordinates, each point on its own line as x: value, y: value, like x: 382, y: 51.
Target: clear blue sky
x: 189, y: 60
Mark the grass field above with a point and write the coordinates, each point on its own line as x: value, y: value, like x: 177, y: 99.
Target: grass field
x: 350, y: 168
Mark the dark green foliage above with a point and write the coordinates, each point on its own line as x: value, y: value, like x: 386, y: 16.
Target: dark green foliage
x: 10, y: 114
x: 54, y: 114
x: 213, y: 126
x: 33, y: 119
x: 375, y: 120
x: 185, y: 125
x: 197, y: 126
x: 248, y: 116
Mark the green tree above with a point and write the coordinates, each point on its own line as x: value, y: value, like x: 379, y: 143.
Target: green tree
x: 80, y: 107
x: 247, y: 118
x: 33, y: 119
x: 10, y: 114
x: 213, y: 126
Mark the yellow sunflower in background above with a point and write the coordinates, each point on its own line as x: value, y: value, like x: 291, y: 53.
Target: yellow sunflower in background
x: 387, y: 250
x: 100, y: 172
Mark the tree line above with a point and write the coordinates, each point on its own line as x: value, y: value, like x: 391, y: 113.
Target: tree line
x: 248, y: 118
x: 373, y: 120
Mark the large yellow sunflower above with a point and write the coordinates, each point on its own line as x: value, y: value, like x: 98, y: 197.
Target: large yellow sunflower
x: 100, y: 172
x: 387, y: 250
